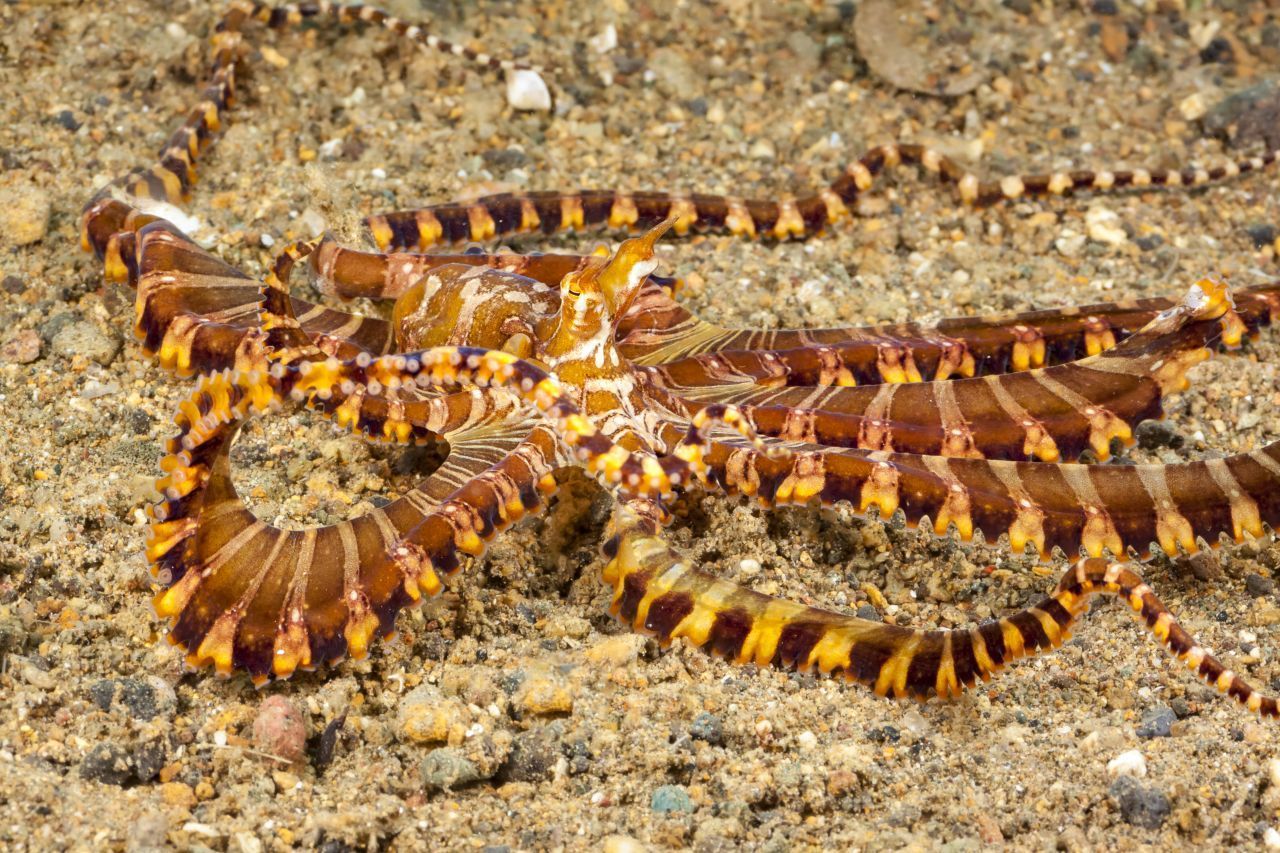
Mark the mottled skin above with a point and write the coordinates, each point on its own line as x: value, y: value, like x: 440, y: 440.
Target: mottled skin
x: 530, y: 364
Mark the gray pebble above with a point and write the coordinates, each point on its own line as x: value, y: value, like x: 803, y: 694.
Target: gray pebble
x: 447, y: 768
x: 533, y: 755
x: 1152, y: 435
x: 85, y: 339
x: 143, y: 699
x: 108, y: 763
x: 671, y: 798
x: 1139, y: 804
x: 673, y: 74
x: 869, y: 612
x: 1157, y: 722
x: 1258, y: 585
x: 708, y: 727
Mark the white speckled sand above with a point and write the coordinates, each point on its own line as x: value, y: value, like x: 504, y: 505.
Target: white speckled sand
x: 576, y: 734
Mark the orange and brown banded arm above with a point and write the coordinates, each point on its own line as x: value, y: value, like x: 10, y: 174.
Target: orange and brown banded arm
x: 1048, y: 414
x: 248, y: 596
x: 690, y: 352
x: 350, y: 273
x: 656, y: 590
x: 510, y: 214
x: 1096, y: 508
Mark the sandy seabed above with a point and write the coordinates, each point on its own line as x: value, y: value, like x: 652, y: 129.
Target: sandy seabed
x: 572, y: 733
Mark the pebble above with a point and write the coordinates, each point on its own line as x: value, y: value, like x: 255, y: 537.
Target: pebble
x: 1131, y: 763
x: 426, y: 716
x: 707, y: 727
x: 533, y: 756
x: 108, y: 763
x: 24, y: 215
x: 1271, y: 838
x: 613, y: 652
x: 115, y: 764
x: 671, y: 798
x: 672, y: 73
x: 1154, y: 434
x: 1070, y: 243
x: 144, y: 699
x: 622, y: 844
x: 280, y: 729
x: 544, y: 693
x: 178, y: 794
x: 1258, y: 585
x: 1140, y: 805
x: 1104, y: 226
x: 1157, y: 722
x: 1193, y: 106
x: 1261, y: 234
x: 447, y: 768
x: 23, y: 347
x: 526, y: 90
x: 82, y: 338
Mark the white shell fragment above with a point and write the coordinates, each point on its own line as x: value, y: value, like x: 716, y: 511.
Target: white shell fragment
x: 527, y: 91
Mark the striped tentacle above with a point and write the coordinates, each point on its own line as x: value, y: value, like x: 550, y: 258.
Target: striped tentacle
x: 508, y: 214
x: 1047, y: 414
x: 656, y: 590
x: 687, y: 351
x: 1097, y: 508
x: 246, y: 595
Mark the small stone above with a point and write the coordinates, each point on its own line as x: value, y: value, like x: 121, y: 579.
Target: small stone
x: 1193, y: 106
x: 426, y: 716
x: 143, y: 699
x: 1150, y: 242
x: 1247, y: 116
x: 1271, y: 838
x: 1140, y: 805
x: 869, y: 612
x: 1131, y: 763
x: 1115, y: 40
x: 1152, y: 435
x: 108, y: 763
x: 1257, y: 585
x: 671, y: 798
x: 613, y: 652
x: 82, y: 338
x: 23, y: 347
x: 447, y: 768
x: 544, y: 693
x: 533, y: 756
x: 280, y: 729
x: 67, y: 120
x: 13, y: 284
x: 1157, y: 722
x: 178, y: 794
x: 1104, y: 226
x: 674, y: 76
x: 1261, y: 234
x: 1070, y: 244
x: 622, y: 844
x: 504, y: 158
x: 762, y: 149
x: 526, y: 90
x: 24, y: 215
x: 707, y: 727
